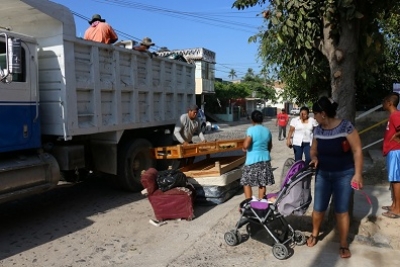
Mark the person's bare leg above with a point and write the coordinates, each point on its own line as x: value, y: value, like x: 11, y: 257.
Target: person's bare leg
x: 317, y: 218
x: 343, y: 224
x: 247, y: 191
x: 396, y: 198
x: 261, y: 192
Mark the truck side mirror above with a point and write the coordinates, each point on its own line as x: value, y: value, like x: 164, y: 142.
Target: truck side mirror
x: 14, y: 45
x: 11, y: 59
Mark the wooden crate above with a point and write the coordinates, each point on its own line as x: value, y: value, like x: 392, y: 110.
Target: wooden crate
x: 213, y: 166
x: 179, y: 151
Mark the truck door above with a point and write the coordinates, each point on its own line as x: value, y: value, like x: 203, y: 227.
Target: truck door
x: 19, y: 123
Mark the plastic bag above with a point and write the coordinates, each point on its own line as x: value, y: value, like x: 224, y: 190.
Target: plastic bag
x: 169, y: 179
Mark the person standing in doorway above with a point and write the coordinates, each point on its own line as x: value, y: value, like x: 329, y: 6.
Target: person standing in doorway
x: 282, y: 120
x: 391, y: 149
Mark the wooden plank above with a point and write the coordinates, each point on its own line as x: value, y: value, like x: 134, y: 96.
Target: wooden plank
x: 179, y: 151
x: 213, y: 166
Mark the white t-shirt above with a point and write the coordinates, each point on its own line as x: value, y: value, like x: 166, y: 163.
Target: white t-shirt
x: 303, y: 132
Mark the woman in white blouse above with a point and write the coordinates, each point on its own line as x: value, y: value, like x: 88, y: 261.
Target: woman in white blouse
x: 301, y: 134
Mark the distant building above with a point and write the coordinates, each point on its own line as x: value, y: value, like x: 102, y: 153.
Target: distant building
x: 280, y: 102
x: 204, y: 60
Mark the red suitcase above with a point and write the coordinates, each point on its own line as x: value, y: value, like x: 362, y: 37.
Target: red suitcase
x: 176, y: 203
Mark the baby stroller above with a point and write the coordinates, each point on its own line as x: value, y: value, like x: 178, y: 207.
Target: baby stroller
x: 267, y: 219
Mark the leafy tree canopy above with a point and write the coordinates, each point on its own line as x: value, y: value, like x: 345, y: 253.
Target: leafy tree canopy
x: 327, y: 46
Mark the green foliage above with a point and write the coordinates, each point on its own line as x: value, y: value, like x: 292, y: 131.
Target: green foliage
x: 232, y: 74
x: 227, y: 92
x: 292, y: 42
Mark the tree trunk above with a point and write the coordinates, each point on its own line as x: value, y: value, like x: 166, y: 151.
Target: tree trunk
x: 343, y: 70
x: 342, y: 57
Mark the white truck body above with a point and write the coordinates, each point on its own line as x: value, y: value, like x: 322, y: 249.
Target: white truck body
x: 89, y: 92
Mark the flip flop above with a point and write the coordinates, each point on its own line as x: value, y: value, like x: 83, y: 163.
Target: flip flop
x: 344, y: 252
x: 391, y: 215
x: 386, y: 208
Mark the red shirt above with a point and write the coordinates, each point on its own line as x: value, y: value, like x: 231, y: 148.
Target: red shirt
x: 101, y: 32
x: 392, y: 127
x: 283, y: 119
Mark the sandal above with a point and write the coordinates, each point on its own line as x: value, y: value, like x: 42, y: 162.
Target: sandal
x: 388, y: 208
x: 344, y: 252
x: 311, y: 241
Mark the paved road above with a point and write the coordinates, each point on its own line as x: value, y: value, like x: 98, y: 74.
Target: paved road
x: 92, y: 224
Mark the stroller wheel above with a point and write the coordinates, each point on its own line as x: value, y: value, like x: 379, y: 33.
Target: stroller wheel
x: 299, y: 238
x: 232, y: 238
x: 280, y: 251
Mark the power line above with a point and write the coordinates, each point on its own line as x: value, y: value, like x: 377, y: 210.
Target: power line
x: 200, y: 17
x: 192, y: 16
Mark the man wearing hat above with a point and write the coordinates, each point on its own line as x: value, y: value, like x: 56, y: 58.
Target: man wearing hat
x: 144, y: 45
x: 100, y: 31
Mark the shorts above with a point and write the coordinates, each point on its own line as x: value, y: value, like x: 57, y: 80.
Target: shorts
x: 257, y: 174
x: 392, y: 165
x: 336, y: 184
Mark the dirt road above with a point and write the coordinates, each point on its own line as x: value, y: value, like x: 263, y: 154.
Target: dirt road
x: 93, y: 224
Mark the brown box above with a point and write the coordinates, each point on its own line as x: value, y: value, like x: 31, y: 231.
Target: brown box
x: 179, y: 151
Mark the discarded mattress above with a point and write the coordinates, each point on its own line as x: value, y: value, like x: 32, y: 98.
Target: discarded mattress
x: 212, y: 194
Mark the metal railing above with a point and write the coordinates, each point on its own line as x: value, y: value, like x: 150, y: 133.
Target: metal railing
x: 371, y: 127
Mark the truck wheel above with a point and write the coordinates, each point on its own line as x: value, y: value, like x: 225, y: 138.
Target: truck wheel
x: 133, y: 158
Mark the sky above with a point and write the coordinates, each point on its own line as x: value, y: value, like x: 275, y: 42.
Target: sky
x: 181, y: 24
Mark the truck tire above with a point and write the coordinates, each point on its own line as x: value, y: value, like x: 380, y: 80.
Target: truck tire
x: 133, y: 158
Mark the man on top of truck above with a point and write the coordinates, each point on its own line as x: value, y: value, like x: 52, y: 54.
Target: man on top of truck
x: 144, y: 45
x: 100, y: 31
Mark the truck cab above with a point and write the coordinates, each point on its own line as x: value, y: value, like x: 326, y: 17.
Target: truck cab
x: 73, y: 105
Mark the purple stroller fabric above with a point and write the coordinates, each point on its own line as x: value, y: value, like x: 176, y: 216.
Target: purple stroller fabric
x: 259, y: 205
x: 295, y: 194
x: 298, y: 165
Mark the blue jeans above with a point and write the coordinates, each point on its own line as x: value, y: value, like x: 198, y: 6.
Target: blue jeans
x: 336, y: 184
x: 299, y: 150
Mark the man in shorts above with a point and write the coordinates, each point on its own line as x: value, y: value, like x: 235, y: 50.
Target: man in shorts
x: 391, y: 149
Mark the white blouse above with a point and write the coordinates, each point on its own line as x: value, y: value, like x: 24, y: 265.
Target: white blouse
x: 303, y: 132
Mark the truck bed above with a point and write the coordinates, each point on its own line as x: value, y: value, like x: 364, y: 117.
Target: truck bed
x: 105, y: 88
x: 88, y: 87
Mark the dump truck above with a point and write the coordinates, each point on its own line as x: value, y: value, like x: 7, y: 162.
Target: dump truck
x: 69, y: 105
